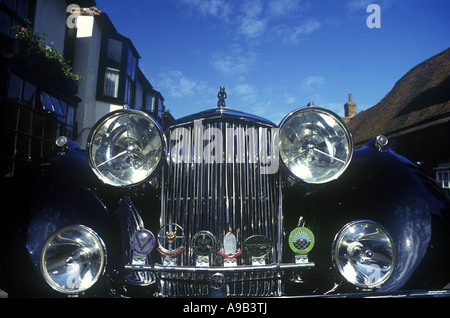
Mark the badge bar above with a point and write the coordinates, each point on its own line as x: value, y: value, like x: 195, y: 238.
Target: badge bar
x: 171, y: 242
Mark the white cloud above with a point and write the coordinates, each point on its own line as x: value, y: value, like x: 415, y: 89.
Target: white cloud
x: 244, y: 89
x: 252, y: 19
x: 175, y: 84
x: 292, y: 35
x: 252, y: 28
x: 215, y: 8
x: 283, y: 7
x: 359, y: 4
x: 290, y: 100
x: 234, y: 62
x: 312, y: 82
x: 246, y: 92
x: 251, y: 22
x: 252, y: 8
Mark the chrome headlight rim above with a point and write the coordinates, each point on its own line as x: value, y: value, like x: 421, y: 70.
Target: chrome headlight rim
x: 115, y: 114
x: 100, y: 248
x: 342, y: 271
x: 344, y: 128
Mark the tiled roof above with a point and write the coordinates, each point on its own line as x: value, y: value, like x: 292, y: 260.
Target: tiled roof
x: 421, y: 96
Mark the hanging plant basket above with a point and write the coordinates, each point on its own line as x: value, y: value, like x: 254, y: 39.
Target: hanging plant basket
x: 34, y: 45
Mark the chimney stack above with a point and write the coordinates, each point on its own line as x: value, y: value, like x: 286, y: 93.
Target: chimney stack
x: 350, y: 107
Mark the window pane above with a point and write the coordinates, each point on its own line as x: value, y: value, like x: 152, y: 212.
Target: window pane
x: 114, y: 50
x: 5, y: 23
x: 133, y: 68
x: 47, y: 102
x: 63, y: 106
x: 111, y: 85
x: 25, y: 119
x: 38, y: 124
x: 443, y: 177
x: 149, y: 105
x: 57, y: 106
x: 22, y: 8
x: 70, y: 115
x: 15, y: 87
x: 131, y: 65
x: 29, y: 92
x: 129, y: 87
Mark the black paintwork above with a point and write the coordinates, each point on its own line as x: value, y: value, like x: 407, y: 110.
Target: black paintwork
x: 388, y: 189
x: 378, y: 185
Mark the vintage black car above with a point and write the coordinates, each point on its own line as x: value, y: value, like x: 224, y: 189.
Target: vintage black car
x: 224, y: 204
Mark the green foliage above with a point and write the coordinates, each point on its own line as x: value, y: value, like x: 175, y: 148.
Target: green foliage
x: 35, y: 45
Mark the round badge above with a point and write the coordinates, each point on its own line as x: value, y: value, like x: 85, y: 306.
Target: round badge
x: 203, y: 243
x: 257, y: 246
x: 142, y: 242
x: 171, y: 239
x: 301, y: 240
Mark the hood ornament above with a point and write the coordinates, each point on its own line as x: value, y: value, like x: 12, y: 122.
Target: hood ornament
x: 221, y: 96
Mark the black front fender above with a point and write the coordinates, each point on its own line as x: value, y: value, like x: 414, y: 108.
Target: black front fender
x: 385, y: 188
x: 46, y: 197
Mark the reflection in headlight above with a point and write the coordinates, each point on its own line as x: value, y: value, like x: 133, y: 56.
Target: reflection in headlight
x: 125, y: 148
x: 315, y: 144
x: 73, y: 259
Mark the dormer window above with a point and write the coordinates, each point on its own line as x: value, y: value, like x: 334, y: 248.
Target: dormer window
x: 114, y: 52
x: 117, y: 71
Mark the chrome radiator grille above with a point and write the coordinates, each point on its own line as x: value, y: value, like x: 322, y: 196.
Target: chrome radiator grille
x: 215, y: 180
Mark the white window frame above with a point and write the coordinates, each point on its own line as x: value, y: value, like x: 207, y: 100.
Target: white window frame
x: 443, y: 176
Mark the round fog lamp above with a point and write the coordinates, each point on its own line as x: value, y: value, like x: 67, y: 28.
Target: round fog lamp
x: 315, y: 144
x: 125, y: 147
x: 364, y: 253
x: 72, y: 260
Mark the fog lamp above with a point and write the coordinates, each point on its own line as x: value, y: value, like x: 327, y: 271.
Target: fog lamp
x: 364, y: 253
x: 72, y: 260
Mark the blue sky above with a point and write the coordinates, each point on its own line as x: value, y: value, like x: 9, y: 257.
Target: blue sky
x: 274, y: 56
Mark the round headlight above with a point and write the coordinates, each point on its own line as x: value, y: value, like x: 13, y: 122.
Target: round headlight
x: 364, y: 254
x: 125, y: 147
x: 315, y: 144
x: 72, y: 260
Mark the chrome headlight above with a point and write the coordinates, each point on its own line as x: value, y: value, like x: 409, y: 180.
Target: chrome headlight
x: 72, y: 260
x: 315, y: 144
x: 364, y: 253
x: 125, y: 147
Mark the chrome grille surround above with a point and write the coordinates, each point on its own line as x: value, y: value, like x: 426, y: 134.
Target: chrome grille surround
x: 215, y: 180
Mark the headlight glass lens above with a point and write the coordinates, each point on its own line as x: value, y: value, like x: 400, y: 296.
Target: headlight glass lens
x: 315, y: 144
x: 125, y: 147
x: 72, y: 260
x: 364, y: 254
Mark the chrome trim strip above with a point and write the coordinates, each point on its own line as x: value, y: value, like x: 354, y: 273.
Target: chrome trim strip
x: 223, y: 114
x: 235, y: 269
